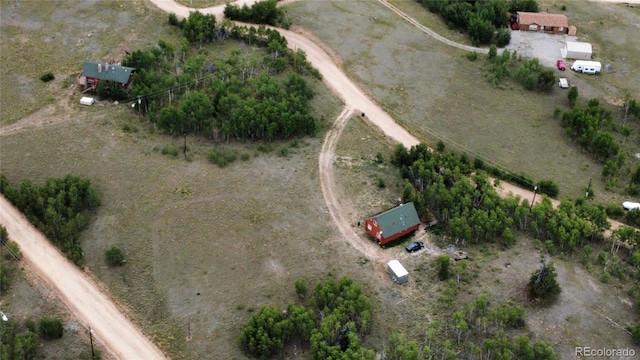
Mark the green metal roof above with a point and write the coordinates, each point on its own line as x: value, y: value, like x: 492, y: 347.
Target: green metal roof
x: 398, y: 219
x: 104, y: 71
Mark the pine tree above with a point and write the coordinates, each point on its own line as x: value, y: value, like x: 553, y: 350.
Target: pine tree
x: 543, y: 284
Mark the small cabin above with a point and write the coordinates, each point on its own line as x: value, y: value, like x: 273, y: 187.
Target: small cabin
x: 94, y: 71
x: 394, y: 223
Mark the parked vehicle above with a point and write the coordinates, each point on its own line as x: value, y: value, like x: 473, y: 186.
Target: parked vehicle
x: 563, y: 83
x: 630, y: 205
x: 415, y: 246
x: 561, y: 65
x: 586, y: 67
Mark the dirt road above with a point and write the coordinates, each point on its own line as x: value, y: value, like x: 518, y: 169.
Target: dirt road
x: 84, y: 297
x: 432, y: 33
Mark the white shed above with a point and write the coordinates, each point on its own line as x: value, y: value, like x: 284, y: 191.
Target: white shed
x: 397, y: 271
x: 577, y: 50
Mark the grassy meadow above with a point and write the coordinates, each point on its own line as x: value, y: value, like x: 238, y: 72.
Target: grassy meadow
x: 438, y: 94
x: 208, y: 246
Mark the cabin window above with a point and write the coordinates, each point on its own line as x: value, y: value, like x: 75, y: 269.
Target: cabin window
x: 561, y: 28
x: 533, y: 27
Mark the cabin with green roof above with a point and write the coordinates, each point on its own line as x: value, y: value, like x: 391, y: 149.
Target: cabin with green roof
x: 394, y: 223
x: 95, y: 71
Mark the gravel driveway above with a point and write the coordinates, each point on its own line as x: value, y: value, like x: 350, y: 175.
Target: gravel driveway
x: 545, y: 47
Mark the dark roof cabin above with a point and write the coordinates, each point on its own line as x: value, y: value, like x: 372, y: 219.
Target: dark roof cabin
x: 94, y: 71
x: 394, y: 223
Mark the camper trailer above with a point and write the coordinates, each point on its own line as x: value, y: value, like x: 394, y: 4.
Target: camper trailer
x: 586, y: 67
x: 398, y: 273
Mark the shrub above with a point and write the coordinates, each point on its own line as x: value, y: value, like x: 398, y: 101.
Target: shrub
x: 245, y: 156
x: 381, y: 183
x: 265, y: 148
x: 5, y: 278
x: 4, y: 235
x: 13, y: 251
x: 636, y: 335
x: 379, y: 158
x: 615, y: 210
x: 46, y: 77
x: 221, y: 157
x: 129, y: 128
x: 443, y: 264
x: 503, y: 38
x: 548, y: 187
x: 173, y: 20
x: 586, y: 255
x: 50, y: 328
x: 30, y: 325
x: 301, y: 288
x: 440, y: 146
x: 632, y: 218
x: 170, y: 150
x: 493, y: 52
x: 115, y: 257
x: 602, y: 258
x: 572, y: 95
x: 472, y: 56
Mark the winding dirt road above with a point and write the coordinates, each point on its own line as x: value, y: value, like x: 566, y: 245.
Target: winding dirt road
x: 86, y: 299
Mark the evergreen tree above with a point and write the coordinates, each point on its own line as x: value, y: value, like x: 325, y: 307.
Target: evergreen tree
x: 543, y: 285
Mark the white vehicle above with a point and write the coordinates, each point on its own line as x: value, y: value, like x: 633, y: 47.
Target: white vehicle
x: 398, y: 273
x: 586, y: 67
x: 563, y: 83
x: 630, y: 205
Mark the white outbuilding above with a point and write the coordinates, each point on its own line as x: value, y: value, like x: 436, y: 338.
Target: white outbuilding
x: 398, y: 273
x: 577, y: 50
x: 87, y: 100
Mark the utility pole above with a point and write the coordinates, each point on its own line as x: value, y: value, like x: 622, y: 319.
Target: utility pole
x: 93, y: 354
x: 586, y: 196
x: 185, y: 145
x: 535, y: 191
x: 189, y: 329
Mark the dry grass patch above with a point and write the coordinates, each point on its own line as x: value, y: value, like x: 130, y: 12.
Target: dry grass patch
x: 40, y: 36
x: 204, y: 245
x: 201, y: 3
x: 435, y: 92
